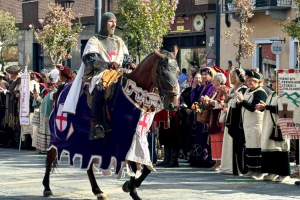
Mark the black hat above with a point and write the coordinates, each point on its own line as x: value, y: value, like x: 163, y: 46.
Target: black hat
x: 252, y: 74
x: 14, y: 69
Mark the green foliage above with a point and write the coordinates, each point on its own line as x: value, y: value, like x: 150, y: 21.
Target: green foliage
x: 145, y: 22
x: 58, y: 33
x: 8, y: 35
x: 292, y: 26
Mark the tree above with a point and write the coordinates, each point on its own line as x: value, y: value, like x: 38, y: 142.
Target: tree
x: 8, y: 35
x: 245, y: 47
x: 145, y: 22
x: 58, y: 33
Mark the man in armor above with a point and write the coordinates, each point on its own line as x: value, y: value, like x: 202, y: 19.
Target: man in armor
x: 103, y: 51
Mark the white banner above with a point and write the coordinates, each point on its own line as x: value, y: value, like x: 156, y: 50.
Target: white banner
x: 24, y: 94
x: 289, y: 104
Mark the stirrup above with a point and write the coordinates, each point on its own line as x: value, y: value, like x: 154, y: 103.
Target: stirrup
x: 99, y: 132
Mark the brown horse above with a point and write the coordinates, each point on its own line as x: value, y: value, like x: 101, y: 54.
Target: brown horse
x: 157, y: 73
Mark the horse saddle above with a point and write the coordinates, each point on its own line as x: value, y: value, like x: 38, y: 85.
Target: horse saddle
x: 108, y: 81
x: 109, y: 77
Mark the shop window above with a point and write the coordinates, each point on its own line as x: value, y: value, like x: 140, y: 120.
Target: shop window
x: 30, y: 12
x: 187, y: 41
x: 201, y: 40
x: 267, y: 61
x: 170, y: 42
x: 192, y: 56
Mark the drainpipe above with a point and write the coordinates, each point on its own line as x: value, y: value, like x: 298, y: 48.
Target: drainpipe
x: 218, y: 32
x: 98, y: 8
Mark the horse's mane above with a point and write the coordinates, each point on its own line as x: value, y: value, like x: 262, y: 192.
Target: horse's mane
x: 143, y: 62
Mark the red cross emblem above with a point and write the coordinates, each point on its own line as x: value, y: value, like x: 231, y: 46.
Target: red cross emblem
x: 61, y: 119
x: 112, y: 54
x: 143, y: 124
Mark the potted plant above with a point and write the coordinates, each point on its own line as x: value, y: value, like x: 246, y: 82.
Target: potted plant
x: 230, y: 4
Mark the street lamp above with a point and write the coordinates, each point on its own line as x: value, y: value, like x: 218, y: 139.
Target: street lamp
x: 68, y: 3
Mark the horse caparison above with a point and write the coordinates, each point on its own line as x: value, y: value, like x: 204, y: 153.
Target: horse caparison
x: 147, y: 76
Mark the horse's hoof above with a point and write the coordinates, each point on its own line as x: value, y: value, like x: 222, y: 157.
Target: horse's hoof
x: 102, y: 196
x: 125, y: 187
x: 48, y: 193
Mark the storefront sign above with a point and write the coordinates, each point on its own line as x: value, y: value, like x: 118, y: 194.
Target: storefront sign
x: 193, y: 23
x: 277, y: 48
x: 198, y: 22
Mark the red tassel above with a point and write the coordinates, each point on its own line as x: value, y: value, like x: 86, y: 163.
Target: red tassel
x: 280, y: 71
x: 291, y: 71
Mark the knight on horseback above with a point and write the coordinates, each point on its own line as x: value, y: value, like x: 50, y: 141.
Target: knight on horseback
x: 103, y: 52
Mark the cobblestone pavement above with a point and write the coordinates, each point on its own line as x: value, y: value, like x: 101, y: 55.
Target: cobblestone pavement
x: 21, y: 175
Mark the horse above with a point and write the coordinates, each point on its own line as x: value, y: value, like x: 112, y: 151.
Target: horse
x: 155, y: 75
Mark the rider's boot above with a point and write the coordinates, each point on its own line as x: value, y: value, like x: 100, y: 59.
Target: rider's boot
x: 97, y: 131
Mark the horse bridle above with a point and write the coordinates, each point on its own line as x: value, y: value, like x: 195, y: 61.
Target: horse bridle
x: 163, y: 93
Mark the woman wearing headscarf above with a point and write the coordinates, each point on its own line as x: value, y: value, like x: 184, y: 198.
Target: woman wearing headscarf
x: 65, y: 76
x: 185, y: 108
x: 200, y: 152
x: 234, y: 152
x: 216, y: 129
x: 44, y: 135
x: 275, y: 149
x: 252, y: 122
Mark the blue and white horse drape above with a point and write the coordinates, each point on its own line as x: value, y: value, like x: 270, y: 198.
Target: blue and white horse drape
x: 126, y: 142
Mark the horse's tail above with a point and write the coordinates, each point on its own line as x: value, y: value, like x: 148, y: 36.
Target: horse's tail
x: 52, y: 160
x: 54, y: 165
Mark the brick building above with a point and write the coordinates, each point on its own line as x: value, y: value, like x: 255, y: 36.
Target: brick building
x: 193, y: 29
x: 194, y: 32
x: 30, y: 11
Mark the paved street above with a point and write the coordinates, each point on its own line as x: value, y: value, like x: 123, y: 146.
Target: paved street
x: 21, y: 177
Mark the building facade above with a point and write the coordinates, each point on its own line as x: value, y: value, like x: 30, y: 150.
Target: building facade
x: 267, y: 14
x: 29, y: 12
x: 194, y: 31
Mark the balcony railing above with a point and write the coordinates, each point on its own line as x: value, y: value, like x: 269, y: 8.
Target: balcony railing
x: 196, y: 6
x: 259, y: 5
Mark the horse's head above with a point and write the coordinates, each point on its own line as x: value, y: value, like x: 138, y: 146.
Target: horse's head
x: 167, y: 78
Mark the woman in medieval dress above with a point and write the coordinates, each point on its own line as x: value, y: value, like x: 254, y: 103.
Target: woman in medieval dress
x: 185, y: 109
x: 216, y: 129
x: 44, y: 135
x: 252, y: 122
x: 200, y: 152
x: 234, y: 152
x: 275, y: 149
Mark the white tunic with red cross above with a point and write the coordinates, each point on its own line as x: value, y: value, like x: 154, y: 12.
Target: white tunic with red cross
x: 139, y: 151
x: 61, y: 119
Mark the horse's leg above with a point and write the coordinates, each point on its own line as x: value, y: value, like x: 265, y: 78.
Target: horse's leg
x: 130, y: 186
x: 46, y: 181
x: 95, y: 188
x: 145, y: 173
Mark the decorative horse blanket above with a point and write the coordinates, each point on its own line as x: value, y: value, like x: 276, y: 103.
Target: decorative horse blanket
x: 127, y: 142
